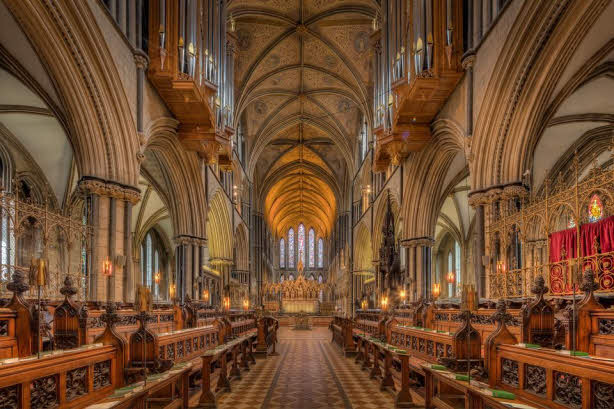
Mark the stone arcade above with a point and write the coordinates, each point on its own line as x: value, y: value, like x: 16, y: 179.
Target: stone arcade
x: 307, y: 204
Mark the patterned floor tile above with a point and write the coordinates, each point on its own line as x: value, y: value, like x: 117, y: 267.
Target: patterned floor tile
x: 309, y: 373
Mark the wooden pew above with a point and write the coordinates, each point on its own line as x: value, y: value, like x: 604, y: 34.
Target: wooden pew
x: 343, y: 333
x: 267, y: 335
x: 8, y: 334
x: 240, y: 344
x: 436, y: 346
x: 550, y: 379
x: 164, y: 392
x: 369, y: 321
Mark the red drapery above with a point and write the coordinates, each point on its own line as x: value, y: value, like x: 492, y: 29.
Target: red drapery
x: 563, y: 243
x: 593, y: 237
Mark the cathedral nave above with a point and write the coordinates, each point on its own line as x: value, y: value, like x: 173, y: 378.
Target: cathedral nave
x: 307, y: 204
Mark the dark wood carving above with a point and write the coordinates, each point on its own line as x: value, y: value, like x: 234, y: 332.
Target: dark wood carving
x: 102, y: 374
x: 44, y: 393
x: 602, y: 395
x: 24, y: 323
x: 583, y: 316
x: 538, y: 317
x: 501, y: 335
x: 389, y: 256
x: 509, y: 372
x: 9, y: 397
x: 76, y: 382
x: 535, y: 380
x: 568, y: 390
x: 606, y: 327
x: 110, y: 337
x: 67, y: 329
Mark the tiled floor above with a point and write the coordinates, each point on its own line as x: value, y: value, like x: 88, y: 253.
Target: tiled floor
x: 310, y: 372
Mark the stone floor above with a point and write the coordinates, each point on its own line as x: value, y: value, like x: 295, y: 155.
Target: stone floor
x: 310, y: 372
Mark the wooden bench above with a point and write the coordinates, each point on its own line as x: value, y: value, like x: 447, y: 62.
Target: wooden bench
x: 63, y: 379
x: 550, y: 379
x: 167, y: 391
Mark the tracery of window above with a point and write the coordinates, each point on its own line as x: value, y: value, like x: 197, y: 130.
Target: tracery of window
x: 595, y: 209
x: 282, y: 253
x: 312, y: 244
x: 291, y: 248
x: 320, y: 253
x: 301, y: 243
x: 152, y: 262
x: 450, y: 268
x: 7, y: 251
x: 457, y: 253
x: 148, y: 263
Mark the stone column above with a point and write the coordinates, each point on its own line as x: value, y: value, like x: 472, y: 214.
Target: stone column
x: 108, y: 203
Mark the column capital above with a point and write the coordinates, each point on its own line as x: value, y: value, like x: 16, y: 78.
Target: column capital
x: 418, y: 242
x: 101, y: 187
x: 141, y: 59
x: 185, y: 239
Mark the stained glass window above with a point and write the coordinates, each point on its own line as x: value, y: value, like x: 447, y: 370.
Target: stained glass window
x: 301, y: 243
x: 572, y: 223
x: 595, y: 209
x: 291, y: 248
x: 148, y: 266
x: 320, y: 253
x: 312, y: 246
x: 320, y: 278
x: 282, y: 253
x: 291, y: 277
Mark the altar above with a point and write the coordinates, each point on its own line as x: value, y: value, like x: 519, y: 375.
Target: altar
x: 295, y: 306
x: 296, y: 296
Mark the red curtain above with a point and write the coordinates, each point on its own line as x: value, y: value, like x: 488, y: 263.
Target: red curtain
x: 566, y: 239
x: 562, y: 240
x: 604, y: 229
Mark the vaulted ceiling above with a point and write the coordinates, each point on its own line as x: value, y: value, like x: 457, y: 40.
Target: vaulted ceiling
x: 302, y: 77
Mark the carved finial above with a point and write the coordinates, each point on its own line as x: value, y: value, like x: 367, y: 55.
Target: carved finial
x: 110, y: 317
x: 539, y: 286
x: 501, y: 315
x: 18, y: 285
x: 588, y: 284
x: 69, y: 289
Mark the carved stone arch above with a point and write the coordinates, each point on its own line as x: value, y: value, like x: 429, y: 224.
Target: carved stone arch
x: 182, y: 169
x: 430, y: 168
x: 263, y: 140
x: 75, y: 54
x: 220, y: 232
x: 538, y: 49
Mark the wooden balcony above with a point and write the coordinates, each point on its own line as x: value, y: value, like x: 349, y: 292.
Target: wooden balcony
x: 183, y: 72
x: 418, y: 95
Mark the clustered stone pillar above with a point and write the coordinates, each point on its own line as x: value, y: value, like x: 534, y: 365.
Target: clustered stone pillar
x: 258, y: 238
x: 419, y: 267
x: 189, y: 257
x: 109, y: 206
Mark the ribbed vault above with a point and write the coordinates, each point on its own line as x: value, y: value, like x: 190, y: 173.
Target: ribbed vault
x: 301, y: 80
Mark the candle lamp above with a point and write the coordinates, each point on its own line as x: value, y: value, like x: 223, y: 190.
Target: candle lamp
x: 436, y: 290
x: 206, y: 295
x: 384, y: 303
x: 451, y: 277
x: 107, y: 271
x: 246, y: 304
x: 171, y: 291
x: 157, y: 278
